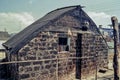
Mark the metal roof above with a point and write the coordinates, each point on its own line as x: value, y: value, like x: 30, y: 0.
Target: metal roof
x: 23, y: 37
x: 20, y: 39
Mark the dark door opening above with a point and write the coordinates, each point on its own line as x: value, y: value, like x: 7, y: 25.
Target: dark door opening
x: 78, y: 55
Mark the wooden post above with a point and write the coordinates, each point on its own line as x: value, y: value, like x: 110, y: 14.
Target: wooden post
x: 96, y: 66
x: 78, y: 55
x: 116, y: 39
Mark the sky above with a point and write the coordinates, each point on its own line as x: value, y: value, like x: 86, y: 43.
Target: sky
x: 15, y: 15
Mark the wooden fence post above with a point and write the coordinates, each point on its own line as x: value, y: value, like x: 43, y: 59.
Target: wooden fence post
x: 116, y: 40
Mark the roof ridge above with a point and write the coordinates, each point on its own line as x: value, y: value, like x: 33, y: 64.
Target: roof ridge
x: 65, y: 8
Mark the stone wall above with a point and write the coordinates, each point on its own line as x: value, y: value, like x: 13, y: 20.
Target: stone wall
x: 62, y: 64
x: 3, y: 70
x: 44, y: 46
x: 94, y: 54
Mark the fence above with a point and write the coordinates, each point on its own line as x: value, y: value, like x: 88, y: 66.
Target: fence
x: 61, y: 68
x: 64, y: 69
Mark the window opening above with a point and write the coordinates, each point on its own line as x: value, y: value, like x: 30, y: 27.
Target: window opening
x: 64, y: 44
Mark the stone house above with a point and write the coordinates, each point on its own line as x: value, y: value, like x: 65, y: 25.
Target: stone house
x: 56, y: 46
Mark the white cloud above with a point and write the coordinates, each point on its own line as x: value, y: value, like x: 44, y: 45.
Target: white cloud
x: 15, y: 21
x: 100, y: 18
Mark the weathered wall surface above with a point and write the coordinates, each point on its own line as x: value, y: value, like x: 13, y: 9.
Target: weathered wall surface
x: 94, y: 53
x: 3, y: 70
x: 61, y: 65
x: 44, y: 46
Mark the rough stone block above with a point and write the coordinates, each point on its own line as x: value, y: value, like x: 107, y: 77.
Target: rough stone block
x: 37, y: 68
x: 28, y: 69
x: 31, y: 58
x: 24, y: 76
x: 38, y: 63
x: 25, y: 64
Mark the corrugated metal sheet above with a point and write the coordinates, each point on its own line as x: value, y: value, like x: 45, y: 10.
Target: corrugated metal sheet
x: 29, y: 32
x: 20, y: 39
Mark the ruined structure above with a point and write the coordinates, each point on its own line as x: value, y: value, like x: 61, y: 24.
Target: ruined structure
x: 56, y: 46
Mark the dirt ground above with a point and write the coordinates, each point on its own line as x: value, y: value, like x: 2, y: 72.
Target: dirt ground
x: 109, y: 74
